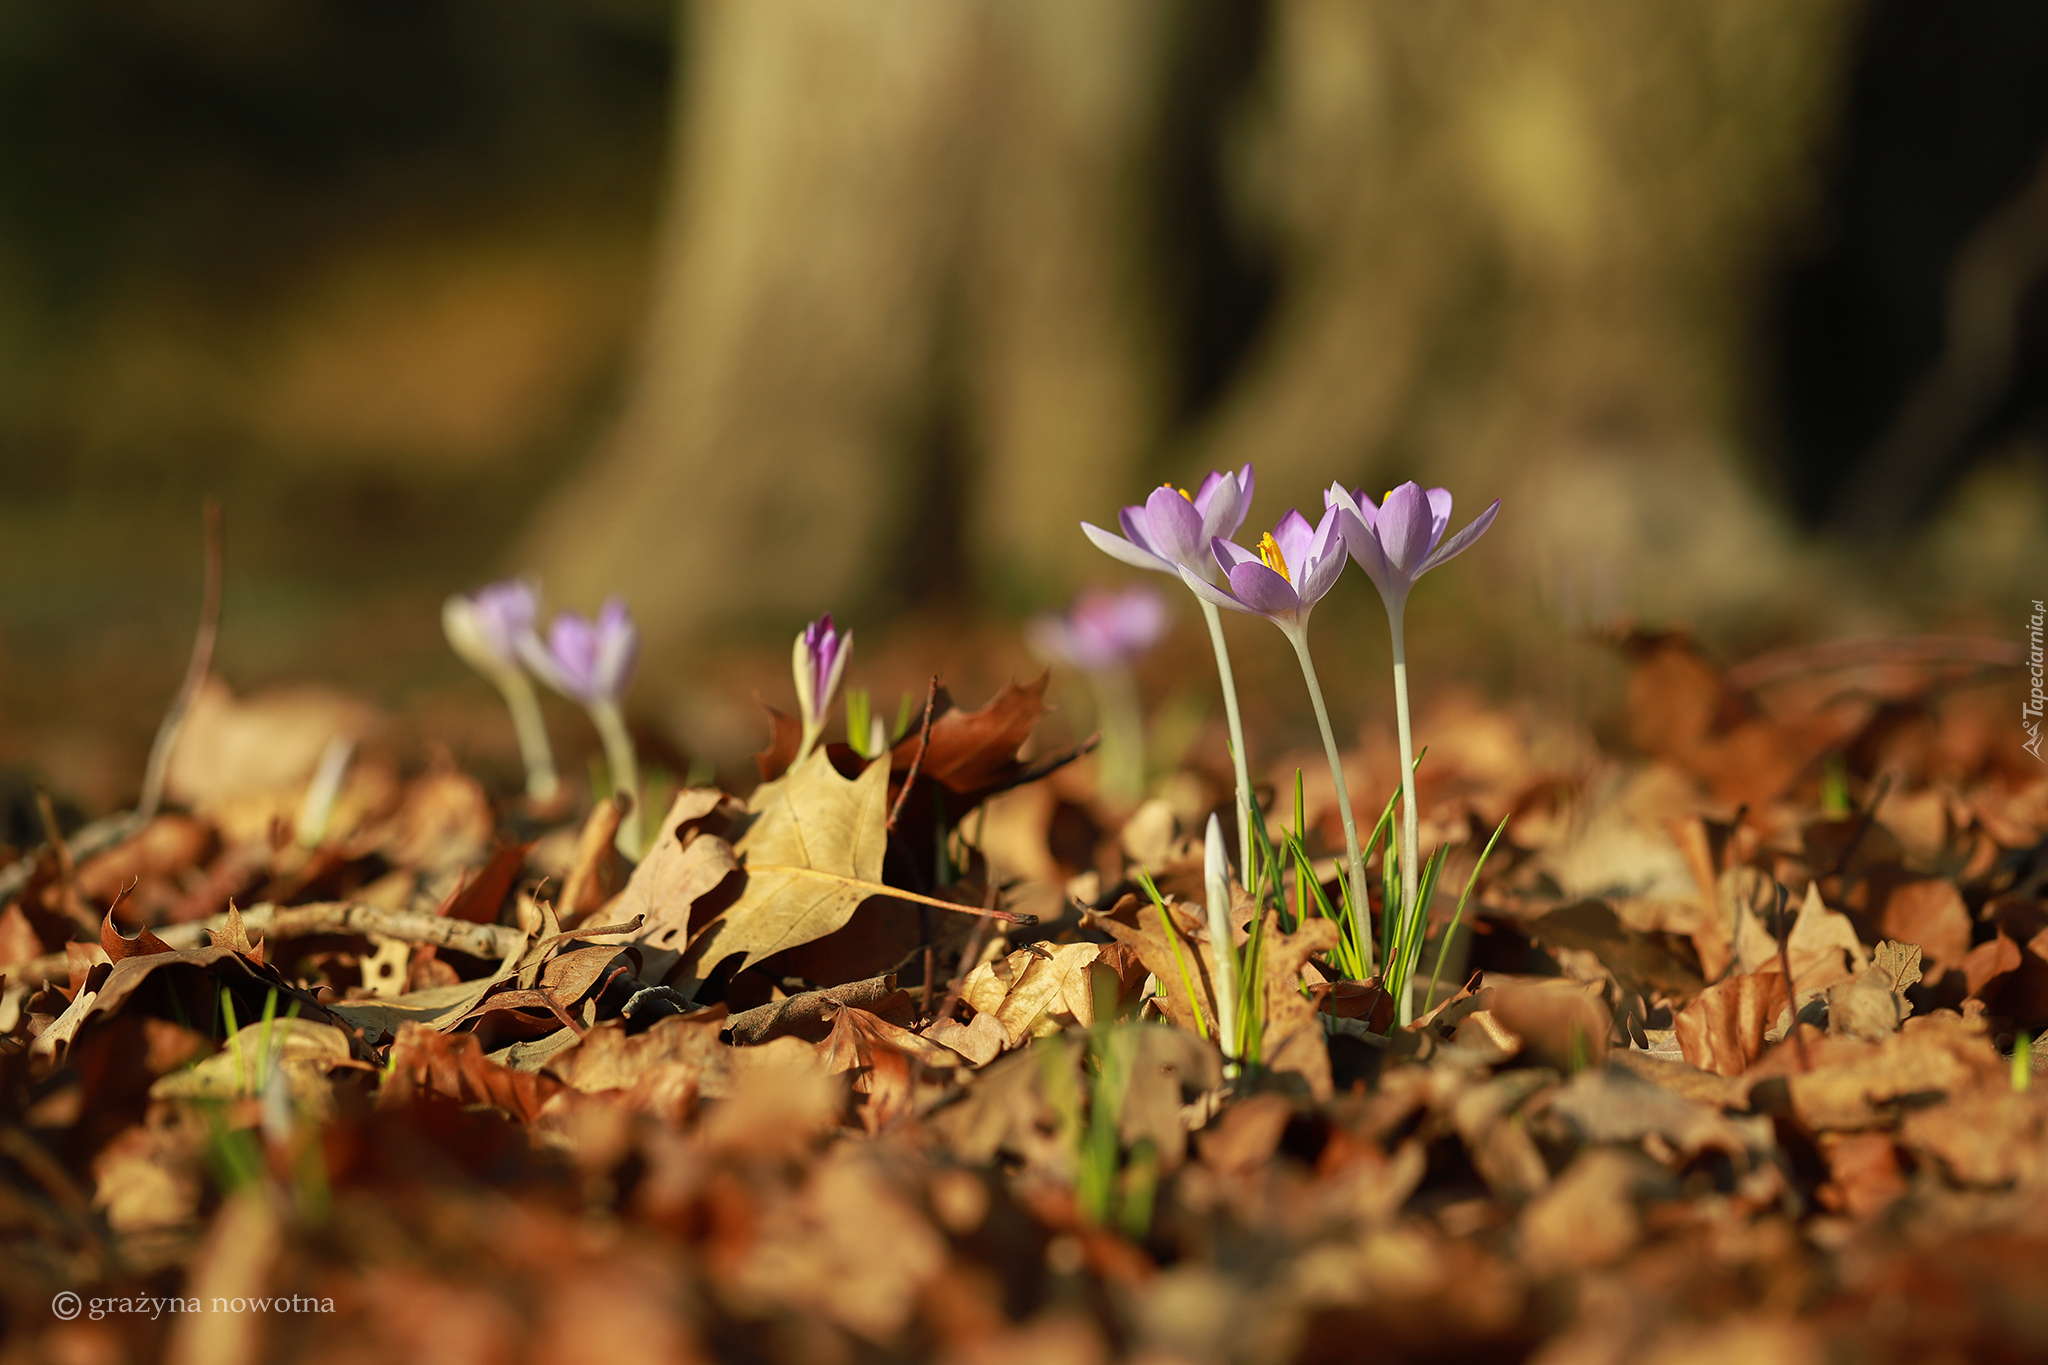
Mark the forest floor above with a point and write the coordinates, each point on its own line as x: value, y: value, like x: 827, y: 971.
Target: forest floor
x: 1732, y: 1058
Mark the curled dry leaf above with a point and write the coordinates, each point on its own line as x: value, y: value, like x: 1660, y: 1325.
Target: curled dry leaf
x: 426, y: 1063
x: 1037, y: 990
x: 689, y: 859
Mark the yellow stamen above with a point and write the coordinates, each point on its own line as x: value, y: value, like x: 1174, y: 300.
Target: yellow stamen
x: 1269, y: 553
x: 1182, y: 491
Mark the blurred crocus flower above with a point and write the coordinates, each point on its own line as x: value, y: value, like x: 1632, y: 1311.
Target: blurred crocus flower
x: 1295, y: 565
x: 1099, y: 635
x: 1171, y: 530
x: 484, y: 628
x: 1402, y: 539
x: 818, y: 660
x: 585, y: 660
x: 592, y: 662
x: 1101, y: 630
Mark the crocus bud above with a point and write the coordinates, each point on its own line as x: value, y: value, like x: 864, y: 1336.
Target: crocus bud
x: 818, y: 659
x: 1223, y: 953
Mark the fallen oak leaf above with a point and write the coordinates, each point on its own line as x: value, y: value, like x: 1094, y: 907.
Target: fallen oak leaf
x: 811, y: 821
x: 811, y: 856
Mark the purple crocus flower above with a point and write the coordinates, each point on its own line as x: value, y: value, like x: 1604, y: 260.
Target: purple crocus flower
x: 1294, y: 567
x: 589, y: 661
x: 1402, y: 539
x: 1171, y: 530
x: 818, y: 660
x: 1102, y: 630
x: 484, y: 626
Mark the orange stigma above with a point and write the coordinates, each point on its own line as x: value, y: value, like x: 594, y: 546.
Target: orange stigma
x: 1269, y: 554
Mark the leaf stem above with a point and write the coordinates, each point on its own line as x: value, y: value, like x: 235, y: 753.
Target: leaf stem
x: 892, y: 892
x: 1298, y: 637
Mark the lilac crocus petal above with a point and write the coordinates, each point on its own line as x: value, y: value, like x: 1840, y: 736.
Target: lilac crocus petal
x: 1223, y: 499
x: 1403, y: 528
x: 1129, y: 551
x: 1462, y: 541
x: 1175, y: 526
x: 1265, y: 592
x: 1296, y: 539
x: 1402, y: 539
x: 1171, y: 529
x: 1305, y: 563
x: 589, y: 661
x: 1439, y: 513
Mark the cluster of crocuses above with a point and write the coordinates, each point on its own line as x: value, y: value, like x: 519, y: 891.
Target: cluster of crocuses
x: 1292, y: 568
x: 589, y: 661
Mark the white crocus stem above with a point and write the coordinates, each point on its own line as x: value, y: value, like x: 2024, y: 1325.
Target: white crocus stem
x: 1298, y: 637
x: 1223, y: 952
x: 1237, y: 754
x: 1122, y: 722
x: 625, y: 770
x: 542, y: 784
x: 1411, y: 866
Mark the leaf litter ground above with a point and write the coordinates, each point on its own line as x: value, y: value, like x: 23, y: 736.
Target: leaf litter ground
x: 1735, y: 1063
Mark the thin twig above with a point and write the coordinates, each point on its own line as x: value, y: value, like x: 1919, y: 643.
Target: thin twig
x: 924, y: 738
x: 67, y: 867
x: 489, y: 941
x: 195, y: 674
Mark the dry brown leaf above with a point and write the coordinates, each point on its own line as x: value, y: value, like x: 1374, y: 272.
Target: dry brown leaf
x: 1562, y: 1023
x: 1983, y: 1140
x: 809, y: 1016
x: 1722, y: 1030
x: 481, y: 896
x: 687, y: 862
x: 813, y: 854
x: 980, y: 1041
x: 1651, y: 963
x: 1035, y: 991
x: 659, y: 1072
x: 1588, y: 1217
x: 452, y: 1066
x: 1292, y: 1043
x: 1931, y: 914
x: 1856, y: 1085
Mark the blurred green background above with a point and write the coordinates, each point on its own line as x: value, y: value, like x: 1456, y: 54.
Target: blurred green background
x: 750, y: 310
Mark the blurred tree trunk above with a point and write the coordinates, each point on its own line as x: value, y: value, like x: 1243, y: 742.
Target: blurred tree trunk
x: 904, y: 284
x: 898, y: 235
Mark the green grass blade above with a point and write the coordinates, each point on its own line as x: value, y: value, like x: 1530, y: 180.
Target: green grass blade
x: 1429, y: 999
